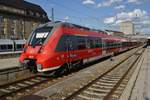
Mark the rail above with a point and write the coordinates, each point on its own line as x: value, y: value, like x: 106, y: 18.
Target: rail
x: 117, y: 81
x: 9, y: 71
x: 14, y: 87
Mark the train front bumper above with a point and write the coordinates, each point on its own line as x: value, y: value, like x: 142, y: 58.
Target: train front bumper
x: 40, y: 68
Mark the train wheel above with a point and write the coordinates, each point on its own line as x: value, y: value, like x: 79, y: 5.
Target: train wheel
x: 61, y: 71
x: 32, y: 69
x: 79, y: 65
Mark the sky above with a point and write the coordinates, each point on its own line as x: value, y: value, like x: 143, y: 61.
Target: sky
x: 100, y: 14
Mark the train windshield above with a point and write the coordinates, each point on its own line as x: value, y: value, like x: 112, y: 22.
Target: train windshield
x: 39, y: 36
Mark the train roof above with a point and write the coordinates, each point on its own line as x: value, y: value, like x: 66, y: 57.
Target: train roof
x: 5, y: 41
x: 20, y: 41
x: 59, y: 23
x: 94, y: 32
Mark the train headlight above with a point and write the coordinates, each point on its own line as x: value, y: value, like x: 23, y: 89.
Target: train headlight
x: 39, y: 67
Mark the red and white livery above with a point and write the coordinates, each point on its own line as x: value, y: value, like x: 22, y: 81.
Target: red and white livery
x: 55, y: 46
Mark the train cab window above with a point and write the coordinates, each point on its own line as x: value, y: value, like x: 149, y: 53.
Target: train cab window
x: 39, y: 35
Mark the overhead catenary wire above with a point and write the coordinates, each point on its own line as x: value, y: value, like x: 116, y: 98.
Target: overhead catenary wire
x: 74, y: 10
x: 84, y: 18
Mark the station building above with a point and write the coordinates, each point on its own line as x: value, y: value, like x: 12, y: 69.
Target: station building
x: 18, y: 18
x: 127, y: 27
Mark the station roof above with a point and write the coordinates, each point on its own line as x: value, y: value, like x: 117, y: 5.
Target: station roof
x: 31, y: 11
x: 21, y: 4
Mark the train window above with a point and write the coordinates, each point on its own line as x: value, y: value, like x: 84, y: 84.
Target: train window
x: 3, y: 47
x: 81, y: 43
x: 98, y: 43
x: 6, y: 47
x: 116, y: 44
x: 125, y: 44
x: 108, y: 44
x: 77, y: 43
x: 67, y: 42
x: 61, y: 46
x: 39, y: 35
x: 19, y: 47
x: 113, y: 44
x: 90, y: 43
x: 9, y: 46
x: 120, y: 44
x: 72, y: 43
x: 104, y: 44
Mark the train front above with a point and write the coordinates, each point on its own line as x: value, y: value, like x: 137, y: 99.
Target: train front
x: 33, y: 48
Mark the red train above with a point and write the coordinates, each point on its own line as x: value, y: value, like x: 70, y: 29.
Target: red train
x: 60, y: 46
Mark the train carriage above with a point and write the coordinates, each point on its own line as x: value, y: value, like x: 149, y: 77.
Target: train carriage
x: 19, y: 44
x: 55, y: 46
x: 6, y: 45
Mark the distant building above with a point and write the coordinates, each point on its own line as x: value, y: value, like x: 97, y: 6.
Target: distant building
x: 127, y: 27
x: 18, y: 18
x: 115, y: 33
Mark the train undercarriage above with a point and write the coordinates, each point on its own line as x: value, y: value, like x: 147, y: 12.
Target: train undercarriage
x: 64, y: 69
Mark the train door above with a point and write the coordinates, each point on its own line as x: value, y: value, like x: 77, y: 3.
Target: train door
x: 70, y: 51
x: 103, y: 47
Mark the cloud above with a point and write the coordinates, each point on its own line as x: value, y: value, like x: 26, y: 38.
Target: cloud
x: 134, y: 1
x: 146, y: 22
x: 120, y: 7
x: 108, y: 3
x: 109, y: 20
x: 88, y: 2
x: 66, y: 19
x: 99, y: 5
x: 119, y: 21
x: 124, y: 16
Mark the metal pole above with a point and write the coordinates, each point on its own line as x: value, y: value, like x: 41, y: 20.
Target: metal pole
x: 52, y: 15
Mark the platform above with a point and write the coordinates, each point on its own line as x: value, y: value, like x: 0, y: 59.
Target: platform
x: 8, y: 63
x: 138, y: 87
x: 7, y: 53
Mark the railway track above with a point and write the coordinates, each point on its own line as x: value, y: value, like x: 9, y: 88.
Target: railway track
x: 11, y: 70
x: 9, y: 89
x: 21, y: 85
x: 108, y: 85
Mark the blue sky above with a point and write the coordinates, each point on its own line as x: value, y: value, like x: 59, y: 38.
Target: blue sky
x: 100, y: 14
